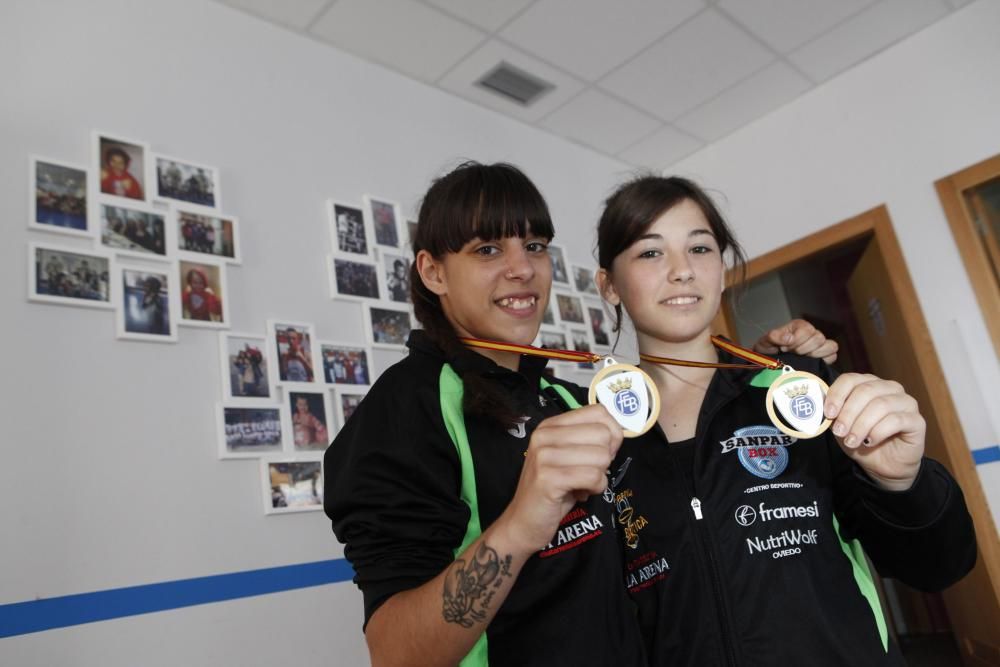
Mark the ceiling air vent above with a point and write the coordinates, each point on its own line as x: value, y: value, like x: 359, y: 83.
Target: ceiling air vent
x: 514, y: 84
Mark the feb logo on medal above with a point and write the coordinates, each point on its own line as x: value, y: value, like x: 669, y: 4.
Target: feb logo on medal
x: 628, y: 394
x: 795, y: 404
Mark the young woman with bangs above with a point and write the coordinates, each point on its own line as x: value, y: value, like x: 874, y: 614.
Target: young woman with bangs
x: 744, y: 543
x: 469, y: 490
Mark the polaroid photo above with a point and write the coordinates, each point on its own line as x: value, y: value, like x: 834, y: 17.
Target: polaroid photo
x: 583, y: 280
x: 201, y: 234
x: 204, y: 301
x: 350, y: 234
x: 352, y: 279
x: 346, y: 364
x: 600, y: 325
x: 245, y: 376
x: 394, y: 270
x: 549, y: 316
x: 309, y: 414
x: 560, y: 272
x: 185, y: 181
x: 291, y: 348
x: 385, y: 221
x: 247, y: 431
x: 147, y: 299
x: 347, y: 401
x: 570, y: 308
x: 291, y: 486
x: 124, y: 166
x: 553, y: 340
x: 580, y: 341
x: 133, y: 230
x: 388, y: 325
x: 58, y: 197
x: 411, y: 233
x: 69, y: 277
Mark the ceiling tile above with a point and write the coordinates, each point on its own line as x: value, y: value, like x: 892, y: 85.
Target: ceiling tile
x: 589, y: 38
x: 661, y: 150
x: 689, y: 67
x: 487, y: 14
x: 296, y: 14
x: 786, y: 24
x: 461, y: 81
x: 761, y: 93
x: 864, y: 35
x: 403, y: 34
x: 600, y: 121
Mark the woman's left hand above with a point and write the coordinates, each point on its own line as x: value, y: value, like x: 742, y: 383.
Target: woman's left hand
x: 798, y: 337
x: 879, y: 426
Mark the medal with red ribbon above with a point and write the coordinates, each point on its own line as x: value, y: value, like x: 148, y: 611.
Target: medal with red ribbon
x: 794, y: 400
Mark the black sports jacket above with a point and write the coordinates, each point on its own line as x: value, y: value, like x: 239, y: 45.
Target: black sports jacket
x: 742, y: 544
x: 398, y: 500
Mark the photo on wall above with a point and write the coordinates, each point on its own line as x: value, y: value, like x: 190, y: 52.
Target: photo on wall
x: 69, y: 277
x: 349, y: 233
x: 345, y: 364
x: 352, y: 279
x: 136, y: 230
x: 347, y: 401
x: 291, y: 347
x: 58, y: 197
x: 583, y: 280
x: 249, y: 431
x: 207, y: 234
x: 123, y: 166
x: 600, y: 327
x: 148, y: 301
x: 244, y: 367
x: 395, y: 275
x: 560, y: 274
x: 553, y: 340
x: 388, y: 326
x: 581, y: 343
x: 310, y: 417
x: 570, y: 308
x: 385, y: 221
x: 291, y: 486
x: 185, y: 181
x: 203, y: 294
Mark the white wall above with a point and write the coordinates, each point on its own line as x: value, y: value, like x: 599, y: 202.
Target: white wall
x: 109, y: 474
x: 883, y: 133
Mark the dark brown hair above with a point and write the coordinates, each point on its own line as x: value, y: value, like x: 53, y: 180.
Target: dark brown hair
x: 635, y: 205
x: 485, y: 201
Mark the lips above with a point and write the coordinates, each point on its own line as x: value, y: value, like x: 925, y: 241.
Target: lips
x: 683, y: 300
x: 518, y: 302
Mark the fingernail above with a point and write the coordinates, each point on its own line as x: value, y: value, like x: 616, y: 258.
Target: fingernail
x: 850, y: 440
x: 787, y: 338
x: 867, y: 441
x: 839, y: 429
x: 831, y: 410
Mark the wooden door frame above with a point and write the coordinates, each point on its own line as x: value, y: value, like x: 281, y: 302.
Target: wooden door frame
x: 977, y: 264
x: 877, y: 224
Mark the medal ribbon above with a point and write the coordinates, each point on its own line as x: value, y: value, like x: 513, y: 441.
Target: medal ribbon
x: 532, y: 351
x: 756, y: 359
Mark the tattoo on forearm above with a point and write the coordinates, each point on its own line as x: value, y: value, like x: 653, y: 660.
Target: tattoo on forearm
x: 469, y: 587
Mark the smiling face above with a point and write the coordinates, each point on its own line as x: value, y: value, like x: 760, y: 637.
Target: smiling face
x: 670, y: 280
x: 496, y: 290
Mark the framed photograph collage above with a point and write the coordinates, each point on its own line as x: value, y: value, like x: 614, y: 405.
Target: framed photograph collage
x: 576, y: 317
x: 369, y: 263
x: 145, y: 236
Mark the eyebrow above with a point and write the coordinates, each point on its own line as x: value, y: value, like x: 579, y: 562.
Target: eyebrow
x: 659, y: 237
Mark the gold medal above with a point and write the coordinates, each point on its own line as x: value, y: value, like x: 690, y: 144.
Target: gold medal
x: 798, y: 397
x: 628, y: 394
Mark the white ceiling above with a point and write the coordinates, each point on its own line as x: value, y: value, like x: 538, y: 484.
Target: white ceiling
x: 645, y: 81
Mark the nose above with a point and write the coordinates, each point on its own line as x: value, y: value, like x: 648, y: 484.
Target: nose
x: 680, y: 269
x: 519, y: 266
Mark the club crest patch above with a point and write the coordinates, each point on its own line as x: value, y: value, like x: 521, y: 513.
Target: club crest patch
x: 761, y: 449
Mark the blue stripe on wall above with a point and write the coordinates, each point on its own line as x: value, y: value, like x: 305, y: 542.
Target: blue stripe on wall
x: 986, y: 455
x: 39, y: 615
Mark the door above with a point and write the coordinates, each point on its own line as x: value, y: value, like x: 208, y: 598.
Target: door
x: 972, y: 603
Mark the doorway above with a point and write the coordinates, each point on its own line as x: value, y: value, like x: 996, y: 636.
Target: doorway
x: 851, y: 281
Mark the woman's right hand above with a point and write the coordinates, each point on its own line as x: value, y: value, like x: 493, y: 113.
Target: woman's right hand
x: 567, y: 461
